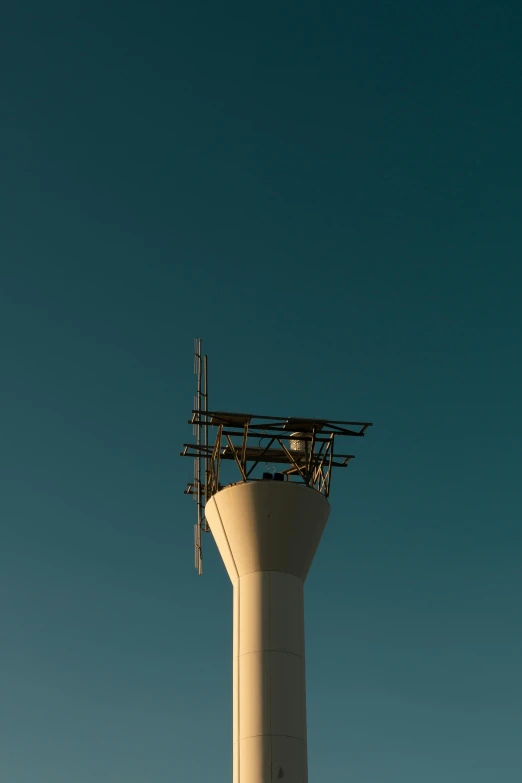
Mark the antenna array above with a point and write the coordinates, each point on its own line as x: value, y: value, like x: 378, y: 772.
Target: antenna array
x: 303, y: 449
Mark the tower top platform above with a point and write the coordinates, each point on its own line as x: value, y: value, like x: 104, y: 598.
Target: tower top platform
x: 304, y: 449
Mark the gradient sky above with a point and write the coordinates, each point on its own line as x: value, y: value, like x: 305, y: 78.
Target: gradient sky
x: 330, y: 196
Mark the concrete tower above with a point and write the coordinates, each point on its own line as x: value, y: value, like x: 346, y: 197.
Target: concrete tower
x: 267, y: 533
x: 267, y: 530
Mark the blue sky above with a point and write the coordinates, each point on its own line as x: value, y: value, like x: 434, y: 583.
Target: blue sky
x: 329, y: 195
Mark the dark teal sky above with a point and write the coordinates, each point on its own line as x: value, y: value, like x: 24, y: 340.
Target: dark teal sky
x: 330, y: 195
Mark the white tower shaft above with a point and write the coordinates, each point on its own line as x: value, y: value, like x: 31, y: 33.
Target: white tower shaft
x: 269, y: 678
x: 267, y: 533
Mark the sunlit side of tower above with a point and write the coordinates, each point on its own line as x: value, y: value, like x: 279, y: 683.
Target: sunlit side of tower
x: 267, y: 530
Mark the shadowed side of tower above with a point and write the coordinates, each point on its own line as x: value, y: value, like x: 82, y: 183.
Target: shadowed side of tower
x: 267, y: 533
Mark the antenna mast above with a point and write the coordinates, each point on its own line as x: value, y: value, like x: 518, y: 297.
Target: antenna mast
x: 198, y: 488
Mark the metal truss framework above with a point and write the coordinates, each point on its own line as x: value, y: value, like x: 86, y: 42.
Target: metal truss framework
x: 311, y: 463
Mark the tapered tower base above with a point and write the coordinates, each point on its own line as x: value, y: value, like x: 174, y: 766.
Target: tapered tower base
x: 267, y: 533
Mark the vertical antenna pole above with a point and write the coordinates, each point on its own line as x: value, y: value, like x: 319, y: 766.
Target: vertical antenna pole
x: 205, y: 434
x: 198, y: 560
